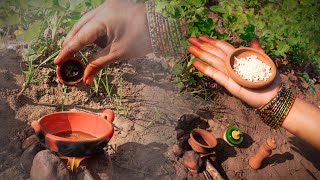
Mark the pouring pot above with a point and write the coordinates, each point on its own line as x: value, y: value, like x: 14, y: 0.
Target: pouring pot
x: 63, y: 132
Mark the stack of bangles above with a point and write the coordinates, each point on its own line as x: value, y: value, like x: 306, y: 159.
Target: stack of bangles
x: 278, y: 108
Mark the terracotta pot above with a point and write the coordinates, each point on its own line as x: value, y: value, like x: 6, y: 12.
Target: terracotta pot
x: 244, y: 52
x: 71, y: 71
x: 75, y: 134
x: 202, y: 141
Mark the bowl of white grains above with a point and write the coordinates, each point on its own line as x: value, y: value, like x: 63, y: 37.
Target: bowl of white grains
x: 251, y: 68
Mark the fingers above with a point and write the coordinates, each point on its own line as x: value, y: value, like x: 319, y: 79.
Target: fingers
x: 87, y: 35
x: 98, y: 61
x: 218, y: 76
x: 211, y: 59
x: 224, y: 46
x: 82, y: 21
x: 208, y: 47
x: 255, y: 44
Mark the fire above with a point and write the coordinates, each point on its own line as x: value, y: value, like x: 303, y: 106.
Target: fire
x: 73, y: 162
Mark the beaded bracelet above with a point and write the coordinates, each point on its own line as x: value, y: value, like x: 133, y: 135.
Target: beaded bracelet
x: 277, y: 109
x: 166, y: 33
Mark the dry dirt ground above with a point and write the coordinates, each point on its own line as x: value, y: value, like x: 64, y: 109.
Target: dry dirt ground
x: 140, y: 148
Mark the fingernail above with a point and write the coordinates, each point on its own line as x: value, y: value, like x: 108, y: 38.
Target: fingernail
x: 55, y: 60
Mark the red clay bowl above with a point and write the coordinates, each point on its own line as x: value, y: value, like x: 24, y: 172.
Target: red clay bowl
x: 202, y: 141
x: 71, y: 71
x: 245, y: 52
x: 74, y: 134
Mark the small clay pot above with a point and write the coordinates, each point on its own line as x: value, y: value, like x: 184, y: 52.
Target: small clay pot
x: 71, y: 71
x: 244, y: 52
x: 74, y: 134
x: 202, y: 141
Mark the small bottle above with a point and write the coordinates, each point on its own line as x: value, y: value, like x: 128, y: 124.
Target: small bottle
x: 264, y: 151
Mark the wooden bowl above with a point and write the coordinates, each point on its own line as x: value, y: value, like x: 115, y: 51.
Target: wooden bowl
x: 244, y: 52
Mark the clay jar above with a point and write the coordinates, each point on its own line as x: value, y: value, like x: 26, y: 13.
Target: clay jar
x: 71, y: 71
x: 74, y: 134
x: 244, y: 52
x: 202, y: 141
x: 264, y: 151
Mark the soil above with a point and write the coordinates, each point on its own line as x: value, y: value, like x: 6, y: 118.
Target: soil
x: 155, y: 116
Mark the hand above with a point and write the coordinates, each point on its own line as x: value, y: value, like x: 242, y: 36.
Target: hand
x: 214, y: 52
x: 117, y: 26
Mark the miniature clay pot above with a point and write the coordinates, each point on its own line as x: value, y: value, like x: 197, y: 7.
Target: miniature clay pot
x: 264, y: 151
x: 202, y: 141
x: 233, y: 136
x: 74, y: 134
x: 244, y: 52
x: 71, y: 71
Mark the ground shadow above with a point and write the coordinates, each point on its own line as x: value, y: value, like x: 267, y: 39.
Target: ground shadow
x: 305, y: 150
x: 137, y: 161
x: 224, y: 151
x: 277, y: 159
x: 247, y: 141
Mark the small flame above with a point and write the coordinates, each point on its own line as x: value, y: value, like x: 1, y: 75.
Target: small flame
x: 73, y: 162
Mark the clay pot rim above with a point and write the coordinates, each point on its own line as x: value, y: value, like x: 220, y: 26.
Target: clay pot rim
x: 107, y: 134
x: 72, y: 83
x: 254, y: 85
x: 212, y: 138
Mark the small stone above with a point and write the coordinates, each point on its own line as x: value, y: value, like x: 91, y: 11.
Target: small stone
x: 177, y: 150
x: 85, y: 174
x: 47, y: 165
x: 29, y: 141
x: 192, y: 161
x: 28, y: 155
x: 99, y: 166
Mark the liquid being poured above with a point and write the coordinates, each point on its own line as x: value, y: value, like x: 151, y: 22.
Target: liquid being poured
x: 75, y: 135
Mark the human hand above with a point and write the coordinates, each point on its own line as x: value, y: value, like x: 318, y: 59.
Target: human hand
x: 118, y: 26
x: 214, y: 52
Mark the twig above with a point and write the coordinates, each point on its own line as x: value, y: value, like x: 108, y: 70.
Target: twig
x: 213, y: 171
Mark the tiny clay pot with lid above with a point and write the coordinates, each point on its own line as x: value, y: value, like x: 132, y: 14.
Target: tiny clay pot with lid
x: 71, y: 71
x: 233, y: 136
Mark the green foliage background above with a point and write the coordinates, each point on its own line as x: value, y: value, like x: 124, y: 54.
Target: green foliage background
x: 287, y: 29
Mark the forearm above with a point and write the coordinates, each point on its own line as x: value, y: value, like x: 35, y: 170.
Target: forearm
x: 304, y: 122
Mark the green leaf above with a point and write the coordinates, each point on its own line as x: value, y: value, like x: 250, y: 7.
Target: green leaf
x: 41, y: 3
x: 10, y: 20
x: 32, y: 33
x: 218, y: 9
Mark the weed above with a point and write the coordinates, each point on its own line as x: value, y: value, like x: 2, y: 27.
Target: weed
x: 65, y: 88
x: 284, y: 28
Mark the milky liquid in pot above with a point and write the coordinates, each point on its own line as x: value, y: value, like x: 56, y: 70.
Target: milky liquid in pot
x: 75, y: 135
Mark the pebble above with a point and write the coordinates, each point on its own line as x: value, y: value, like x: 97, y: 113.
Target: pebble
x: 29, y: 141
x: 28, y: 155
x: 47, y: 165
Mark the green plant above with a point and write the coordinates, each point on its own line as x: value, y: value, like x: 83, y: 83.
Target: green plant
x: 285, y: 29
x: 106, y: 86
x: 65, y: 88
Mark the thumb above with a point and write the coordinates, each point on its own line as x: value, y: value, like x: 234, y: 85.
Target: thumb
x: 256, y: 45
x: 97, y: 62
